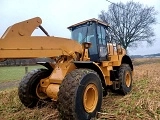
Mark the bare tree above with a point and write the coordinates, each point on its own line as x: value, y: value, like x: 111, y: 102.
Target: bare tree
x: 130, y: 23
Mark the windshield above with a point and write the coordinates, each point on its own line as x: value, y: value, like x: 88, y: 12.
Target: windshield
x: 83, y: 33
x: 86, y: 33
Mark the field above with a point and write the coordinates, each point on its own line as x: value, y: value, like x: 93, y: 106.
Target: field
x: 14, y: 73
x: 143, y: 103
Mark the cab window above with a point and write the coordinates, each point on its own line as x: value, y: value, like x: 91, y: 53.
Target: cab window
x: 101, y: 33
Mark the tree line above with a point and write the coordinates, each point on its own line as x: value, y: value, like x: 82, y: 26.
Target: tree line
x: 23, y: 62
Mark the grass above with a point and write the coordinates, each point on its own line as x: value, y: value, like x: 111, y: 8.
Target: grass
x: 14, y: 72
x: 142, y: 103
x: 141, y: 61
x: 12, y: 109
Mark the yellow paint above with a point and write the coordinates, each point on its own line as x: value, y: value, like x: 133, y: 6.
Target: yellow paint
x: 52, y: 91
x: 17, y: 42
x: 90, y: 98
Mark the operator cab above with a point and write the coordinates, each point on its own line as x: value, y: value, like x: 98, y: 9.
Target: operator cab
x: 93, y: 31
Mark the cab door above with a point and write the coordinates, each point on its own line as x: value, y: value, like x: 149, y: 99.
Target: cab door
x: 102, y: 42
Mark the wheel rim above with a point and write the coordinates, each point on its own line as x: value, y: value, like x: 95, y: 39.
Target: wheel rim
x: 90, y: 98
x: 40, y: 93
x: 128, y: 79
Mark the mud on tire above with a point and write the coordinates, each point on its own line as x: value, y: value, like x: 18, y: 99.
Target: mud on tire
x: 71, y: 95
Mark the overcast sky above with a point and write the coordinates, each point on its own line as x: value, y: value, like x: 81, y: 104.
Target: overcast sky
x: 57, y: 15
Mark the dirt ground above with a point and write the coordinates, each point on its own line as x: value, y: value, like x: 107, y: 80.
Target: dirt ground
x: 13, y: 84
x: 9, y: 85
x: 143, y: 103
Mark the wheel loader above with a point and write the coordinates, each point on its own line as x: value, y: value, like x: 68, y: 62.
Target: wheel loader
x: 83, y: 70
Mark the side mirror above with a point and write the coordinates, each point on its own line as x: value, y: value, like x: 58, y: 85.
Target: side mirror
x: 86, y: 45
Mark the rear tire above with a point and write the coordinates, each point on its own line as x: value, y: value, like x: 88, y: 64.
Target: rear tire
x: 125, y: 78
x: 80, y: 95
x: 28, y: 85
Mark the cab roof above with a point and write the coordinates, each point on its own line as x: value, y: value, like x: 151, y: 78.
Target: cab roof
x: 90, y: 20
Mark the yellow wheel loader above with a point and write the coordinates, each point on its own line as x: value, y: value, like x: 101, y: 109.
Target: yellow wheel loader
x: 84, y: 67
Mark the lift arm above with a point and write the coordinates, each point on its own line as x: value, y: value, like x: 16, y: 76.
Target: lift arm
x: 17, y: 42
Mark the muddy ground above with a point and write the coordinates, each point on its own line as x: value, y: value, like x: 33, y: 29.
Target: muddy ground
x: 9, y: 85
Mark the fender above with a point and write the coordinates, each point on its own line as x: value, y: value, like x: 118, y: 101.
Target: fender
x: 47, y: 65
x: 126, y: 59
x: 91, y: 65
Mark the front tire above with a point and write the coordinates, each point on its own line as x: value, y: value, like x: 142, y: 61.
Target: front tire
x: 80, y: 95
x: 27, y: 89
